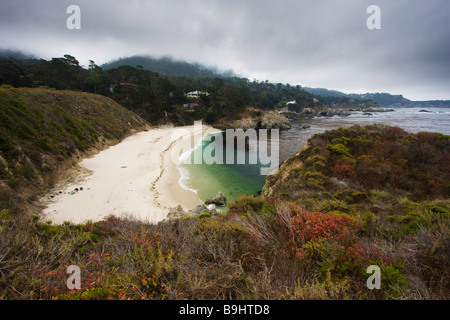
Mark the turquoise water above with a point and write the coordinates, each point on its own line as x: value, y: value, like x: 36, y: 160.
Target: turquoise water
x: 233, y: 180
x: 239, y: 179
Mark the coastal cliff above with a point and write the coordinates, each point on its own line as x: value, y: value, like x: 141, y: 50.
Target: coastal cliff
x: 366, y: 158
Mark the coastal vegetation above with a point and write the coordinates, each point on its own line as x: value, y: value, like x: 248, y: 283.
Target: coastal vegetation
x: 368, y: 158
x: 311, y: 234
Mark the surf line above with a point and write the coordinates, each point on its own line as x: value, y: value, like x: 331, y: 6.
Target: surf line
x: 213, y: 152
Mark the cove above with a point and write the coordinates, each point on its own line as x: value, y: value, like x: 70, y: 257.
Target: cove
x: 232, y: 178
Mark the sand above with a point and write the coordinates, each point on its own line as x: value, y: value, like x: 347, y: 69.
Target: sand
x: 138, y: 177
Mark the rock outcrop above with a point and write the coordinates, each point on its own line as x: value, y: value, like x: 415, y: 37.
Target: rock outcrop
x: 274, y: 120
x: 179, y: 213
x: 265, y: 120
x: 199, y: 210
x: 244, y: 124
x: 219, y: 200
x: 307, y: 113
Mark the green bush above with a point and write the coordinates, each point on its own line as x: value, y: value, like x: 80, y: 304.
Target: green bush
x: 425, y: 216
x: 315, y: 179
x: 204, y: 215
x: 315, y: 290
x: 247, y: 204
x: 316, y: 162
x: 340, y: 149
x: 393, y: 283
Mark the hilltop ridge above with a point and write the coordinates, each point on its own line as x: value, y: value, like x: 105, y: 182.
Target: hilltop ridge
x: 167, y: 66
x: 384, y: 99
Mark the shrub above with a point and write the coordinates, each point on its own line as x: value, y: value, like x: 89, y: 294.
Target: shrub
x: 330, y: 205
x: 4, y: 214
x: 370, y: 223
x: 315, y: 179
x: 315, y: 290
x: 204, y: 215
x: 393, y: 284
x: 268, y: 209
x: 316, y: 162
x: 247, y: 204
x: 343, y: 168
x: 340, y: 149
x: 218, y: 238
x: 307, y: 226
x: 96, y: 293
x: 366, y: 254
x: 424, y: 216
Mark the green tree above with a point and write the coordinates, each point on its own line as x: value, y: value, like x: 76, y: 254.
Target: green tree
x: 92, y: 81
x: 11, y: 74
x: 230, y: 100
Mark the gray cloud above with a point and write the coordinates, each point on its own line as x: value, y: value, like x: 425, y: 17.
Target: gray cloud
x: 314, y: 43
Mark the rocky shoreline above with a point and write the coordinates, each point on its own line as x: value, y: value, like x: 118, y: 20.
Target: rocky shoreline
x: 262, y: 120
x: 308, y: 113
x: 208, y: 208
x: 281, y: 119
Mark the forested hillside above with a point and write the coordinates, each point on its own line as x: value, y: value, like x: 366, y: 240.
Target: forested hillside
x: 383, y: 99
x: 162, y: 99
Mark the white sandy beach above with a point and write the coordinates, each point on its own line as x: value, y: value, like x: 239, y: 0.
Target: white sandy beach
x: 137, y: 177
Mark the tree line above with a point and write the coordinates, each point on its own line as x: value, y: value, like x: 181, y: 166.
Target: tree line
x: 158, y: 99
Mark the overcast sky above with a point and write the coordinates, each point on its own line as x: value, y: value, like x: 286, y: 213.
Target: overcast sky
x: 314, y: 43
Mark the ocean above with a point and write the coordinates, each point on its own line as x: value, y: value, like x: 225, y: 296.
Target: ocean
x: 234, y: 180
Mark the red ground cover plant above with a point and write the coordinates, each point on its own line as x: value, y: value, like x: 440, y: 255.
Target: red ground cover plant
x: 342, y: 169
x: 305, y: 227
x: 311, y: 226
x: 367, y: 253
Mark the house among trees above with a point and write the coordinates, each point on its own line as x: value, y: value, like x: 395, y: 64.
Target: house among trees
x: 286, y: 107
x: 291, y: 102
x: 196, y: 94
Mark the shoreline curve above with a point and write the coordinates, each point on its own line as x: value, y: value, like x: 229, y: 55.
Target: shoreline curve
x: 137, y: 177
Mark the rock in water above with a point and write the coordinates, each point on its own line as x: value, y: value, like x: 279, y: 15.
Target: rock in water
x: 220, y: 200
